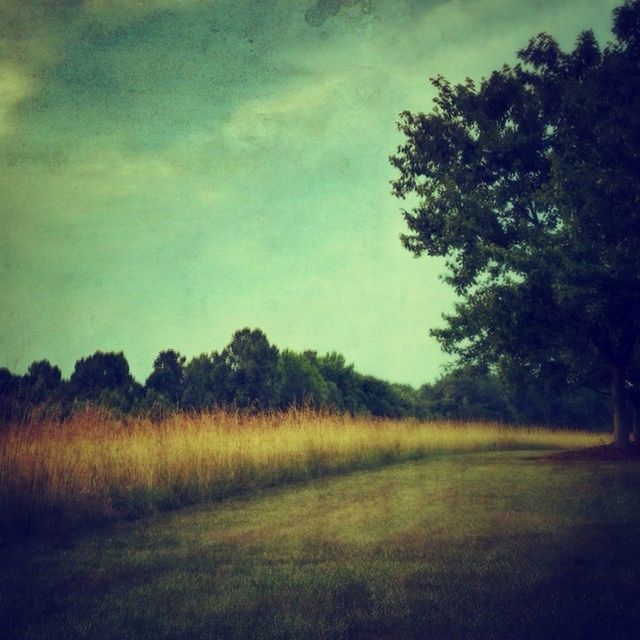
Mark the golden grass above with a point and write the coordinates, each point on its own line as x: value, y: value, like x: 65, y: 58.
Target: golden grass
x: 96, y: 468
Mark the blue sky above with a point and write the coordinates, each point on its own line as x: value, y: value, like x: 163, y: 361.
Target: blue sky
x: 174, y: 170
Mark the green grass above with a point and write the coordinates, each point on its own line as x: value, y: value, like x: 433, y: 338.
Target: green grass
x: 95, y: 468
x: 484, y: 545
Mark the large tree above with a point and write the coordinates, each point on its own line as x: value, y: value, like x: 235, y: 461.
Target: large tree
x: 527, y: 183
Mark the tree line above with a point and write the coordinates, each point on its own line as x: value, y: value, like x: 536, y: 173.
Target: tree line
x: 250, y: 374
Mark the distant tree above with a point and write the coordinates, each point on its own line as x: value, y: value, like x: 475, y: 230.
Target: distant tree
x: 10, y: 392
x: 385, y: 400
x: 301, y: 383
x: 546, y: 390
x: 469, y: 394
x: 343, y: 382
x: 104, y: 378
x: 42, y: 382
x: 528, y: 184
x: 206, y: 383
x: 154, y: 405
x: 100, y: 371
x: 253, y: 374
x: 411, y: 401
x: 167, y: 375
x: 121, y: 400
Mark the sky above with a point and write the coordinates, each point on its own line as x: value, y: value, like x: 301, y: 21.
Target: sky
x: 174, y: 170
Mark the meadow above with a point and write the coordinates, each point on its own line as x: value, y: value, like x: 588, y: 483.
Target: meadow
x: 477, y: 546
x: 95, y: 468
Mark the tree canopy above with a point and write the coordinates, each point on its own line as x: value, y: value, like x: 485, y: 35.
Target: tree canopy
x: 238, y: 378
x: 527, y: 182
x: 253, y: 366
x: 167, y: 375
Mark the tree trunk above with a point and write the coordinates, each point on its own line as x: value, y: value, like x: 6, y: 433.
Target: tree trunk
x: 619, y: 406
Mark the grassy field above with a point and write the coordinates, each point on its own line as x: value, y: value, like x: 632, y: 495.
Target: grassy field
x: 471, y: 546
x: 94, y: 469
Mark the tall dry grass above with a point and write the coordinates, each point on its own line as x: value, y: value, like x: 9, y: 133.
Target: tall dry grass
x: 96, y: 468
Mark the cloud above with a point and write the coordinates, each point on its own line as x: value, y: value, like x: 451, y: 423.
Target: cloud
x: 37, y: 35
x: 15, y: 86
x: 32, y: 37
x: 99, y: 180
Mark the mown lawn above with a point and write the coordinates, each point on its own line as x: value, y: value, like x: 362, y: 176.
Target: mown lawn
x: 483, y: 545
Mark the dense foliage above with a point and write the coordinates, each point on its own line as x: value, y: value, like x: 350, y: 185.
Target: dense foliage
x: 252, y: 375
x: 527, y: 183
